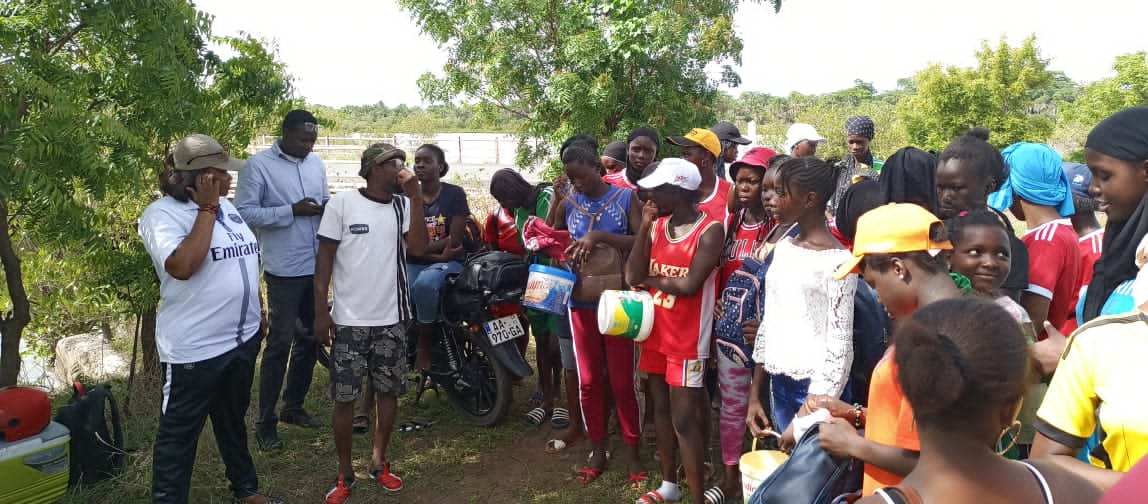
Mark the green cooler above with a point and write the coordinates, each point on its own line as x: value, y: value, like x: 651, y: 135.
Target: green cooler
x: 35, y: 470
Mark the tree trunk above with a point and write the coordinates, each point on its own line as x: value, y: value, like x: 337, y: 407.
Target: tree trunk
x: 106, y: 329
x: 13, y: 323
x: 150, y: 355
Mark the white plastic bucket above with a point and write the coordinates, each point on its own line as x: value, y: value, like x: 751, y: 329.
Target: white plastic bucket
x: 626, y: 314
x: 548, y: 289
x: 756, y: 466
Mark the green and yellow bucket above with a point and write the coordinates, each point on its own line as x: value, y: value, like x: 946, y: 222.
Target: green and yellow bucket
x: 626, y: 314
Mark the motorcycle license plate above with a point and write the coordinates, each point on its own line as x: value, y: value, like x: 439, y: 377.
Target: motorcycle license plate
x: 503, y: 329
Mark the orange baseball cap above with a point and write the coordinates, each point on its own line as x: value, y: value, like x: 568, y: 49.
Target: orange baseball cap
x: 896, y: 227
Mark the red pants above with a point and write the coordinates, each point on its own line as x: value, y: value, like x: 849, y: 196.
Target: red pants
x: 600, y: 358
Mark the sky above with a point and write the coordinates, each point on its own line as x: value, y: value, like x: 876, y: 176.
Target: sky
x: 352, y: 52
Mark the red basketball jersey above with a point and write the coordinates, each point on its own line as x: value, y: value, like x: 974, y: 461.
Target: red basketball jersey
x: 682, y: 324
x: 716, y: 205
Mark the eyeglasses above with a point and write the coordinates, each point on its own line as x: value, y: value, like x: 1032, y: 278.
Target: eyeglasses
x: 310, y: 127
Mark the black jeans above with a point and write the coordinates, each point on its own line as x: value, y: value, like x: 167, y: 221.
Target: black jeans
x: 290, y: 300
x: 219, y: 387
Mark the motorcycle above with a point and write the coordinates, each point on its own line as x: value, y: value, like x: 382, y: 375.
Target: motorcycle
x: 474, y: 360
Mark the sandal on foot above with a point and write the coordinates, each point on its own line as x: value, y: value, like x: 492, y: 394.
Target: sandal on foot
x: 653, y: 497
x: 359, y: 426
x: 714, y: 495
x: 555, y: 445
x: 414, y: 426
x: 534, y: 417
x: 560, y: 418
x: 638, y: 481
x: 587, y: 475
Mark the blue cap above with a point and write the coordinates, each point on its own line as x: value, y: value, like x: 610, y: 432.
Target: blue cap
x: 1079, y: 178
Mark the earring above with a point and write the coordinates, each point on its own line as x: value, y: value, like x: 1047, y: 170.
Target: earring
x: 1012, y: 432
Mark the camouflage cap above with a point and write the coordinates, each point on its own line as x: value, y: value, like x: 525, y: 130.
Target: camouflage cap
x: 380, y: 153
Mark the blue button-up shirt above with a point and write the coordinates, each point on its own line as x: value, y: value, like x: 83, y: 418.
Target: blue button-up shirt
x: 270, y: 183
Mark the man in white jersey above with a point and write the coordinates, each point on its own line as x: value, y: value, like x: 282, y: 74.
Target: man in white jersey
x: 364, y: 238
x: 208, y: 327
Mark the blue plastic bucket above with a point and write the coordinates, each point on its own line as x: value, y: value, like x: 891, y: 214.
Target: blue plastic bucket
x: 548, y: 289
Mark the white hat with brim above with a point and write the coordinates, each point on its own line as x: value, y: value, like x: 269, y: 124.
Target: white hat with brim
x: 196, y: 152
x: 800, y: 132
x: 673, y: 171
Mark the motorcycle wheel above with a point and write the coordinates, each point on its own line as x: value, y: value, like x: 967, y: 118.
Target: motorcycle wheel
x: 485, y: 389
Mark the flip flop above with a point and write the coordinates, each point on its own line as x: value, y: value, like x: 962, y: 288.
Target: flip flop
x: 555, y: 445
x: 414, y: 426
x: 560, y: 418
x: 714, y: 495
x: 534, y: 417
x: 653, y: 497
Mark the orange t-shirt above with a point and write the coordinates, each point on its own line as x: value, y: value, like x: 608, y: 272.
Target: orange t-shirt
x: 889, y: 421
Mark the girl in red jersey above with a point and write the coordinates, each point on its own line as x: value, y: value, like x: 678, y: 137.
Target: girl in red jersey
x: 675, y: 256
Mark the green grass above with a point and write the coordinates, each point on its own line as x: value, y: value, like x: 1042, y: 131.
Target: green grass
x: 450, y: 462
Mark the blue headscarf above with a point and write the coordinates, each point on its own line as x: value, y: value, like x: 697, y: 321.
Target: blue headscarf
x: 1035, y: 174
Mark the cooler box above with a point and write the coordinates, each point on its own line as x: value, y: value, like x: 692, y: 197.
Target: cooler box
x: 35, y: 469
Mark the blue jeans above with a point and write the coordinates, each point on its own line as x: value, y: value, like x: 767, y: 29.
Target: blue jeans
x: 786, y: 396
x: 426, y: 282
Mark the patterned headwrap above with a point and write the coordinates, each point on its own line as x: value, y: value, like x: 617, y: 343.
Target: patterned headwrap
x: 860, y: 126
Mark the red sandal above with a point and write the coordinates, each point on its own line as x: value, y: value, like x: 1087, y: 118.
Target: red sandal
x: 587, y: 475
x: 638, y: 481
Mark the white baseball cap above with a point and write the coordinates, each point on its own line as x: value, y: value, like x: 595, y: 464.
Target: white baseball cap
x: 675, y: 172
x: 800, y: 132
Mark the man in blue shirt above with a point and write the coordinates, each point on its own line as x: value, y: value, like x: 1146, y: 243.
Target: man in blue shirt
x: 281, y: 194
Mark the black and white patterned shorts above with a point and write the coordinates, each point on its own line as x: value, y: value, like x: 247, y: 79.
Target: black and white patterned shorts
x: 377, y: 352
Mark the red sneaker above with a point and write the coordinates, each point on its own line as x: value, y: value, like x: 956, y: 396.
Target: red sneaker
x: 341, y: 493
x: 390, y: 481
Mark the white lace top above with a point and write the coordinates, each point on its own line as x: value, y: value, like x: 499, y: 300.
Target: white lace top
x: 807, y: 318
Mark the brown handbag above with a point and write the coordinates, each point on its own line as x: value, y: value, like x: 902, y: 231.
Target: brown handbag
x: 603, y: 268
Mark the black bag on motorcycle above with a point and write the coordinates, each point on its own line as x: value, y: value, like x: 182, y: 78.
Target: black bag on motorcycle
x: 493, y: 277
x: 499, y: 275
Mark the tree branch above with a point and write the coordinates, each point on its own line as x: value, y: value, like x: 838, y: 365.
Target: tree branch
x: 505, y: 108
x: 66, y: 38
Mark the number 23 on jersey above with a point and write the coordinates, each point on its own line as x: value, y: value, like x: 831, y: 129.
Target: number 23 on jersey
x: 664, y: 300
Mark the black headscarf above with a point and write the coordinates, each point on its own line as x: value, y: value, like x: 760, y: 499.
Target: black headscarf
x: 857, y: 199
x: 1124, y: 136
x: 508, y: 184
x: 910, y: 176
x: 633, y: 174
x: 616, y: 151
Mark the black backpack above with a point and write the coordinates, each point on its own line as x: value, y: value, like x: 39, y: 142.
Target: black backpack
x: 870, y: 339
x: 97, y: 452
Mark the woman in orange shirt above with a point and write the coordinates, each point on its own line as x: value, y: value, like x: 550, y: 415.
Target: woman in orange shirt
x: 900, y: 250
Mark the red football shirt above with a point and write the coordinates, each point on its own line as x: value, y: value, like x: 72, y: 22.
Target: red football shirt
x: 1054, y: 268
x: 618, y: 179
x: 1090, y: 247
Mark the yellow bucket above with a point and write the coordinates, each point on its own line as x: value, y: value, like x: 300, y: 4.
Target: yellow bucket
x: 756, y: 466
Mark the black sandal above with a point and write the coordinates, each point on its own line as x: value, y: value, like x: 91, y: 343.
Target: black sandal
x: 414, y: 426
